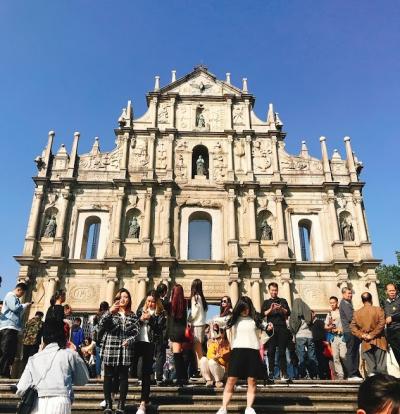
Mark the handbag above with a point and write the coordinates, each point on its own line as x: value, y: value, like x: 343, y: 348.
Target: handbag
x: 30, y: 396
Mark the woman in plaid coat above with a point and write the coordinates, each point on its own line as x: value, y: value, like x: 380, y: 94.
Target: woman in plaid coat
x: 120, y: 326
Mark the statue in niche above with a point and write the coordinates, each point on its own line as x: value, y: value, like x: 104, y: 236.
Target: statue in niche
x: 51, y: 226
x: 200, y: 120
x: 266, y: 231
x: 347, y: 230
x: 134, y: 229
x: 200, y: 168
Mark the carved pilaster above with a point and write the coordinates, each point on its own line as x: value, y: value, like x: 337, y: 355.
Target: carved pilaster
x: 116, y: 243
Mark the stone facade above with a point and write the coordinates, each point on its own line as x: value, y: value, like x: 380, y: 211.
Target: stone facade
x: 143, y: 194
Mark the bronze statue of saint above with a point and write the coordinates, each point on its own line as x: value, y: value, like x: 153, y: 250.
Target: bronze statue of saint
x: 134, y: 229
x: 51, y: 226
x: 266, y: 231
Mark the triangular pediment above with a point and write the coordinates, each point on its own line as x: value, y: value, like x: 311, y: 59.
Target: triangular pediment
x: 200, y: 82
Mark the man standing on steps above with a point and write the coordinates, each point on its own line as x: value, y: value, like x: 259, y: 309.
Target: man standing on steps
x: 352, y: 359
x: 276, y: 310
x: 392, y: 313
x: 368, y: 324
x: 10, y: 324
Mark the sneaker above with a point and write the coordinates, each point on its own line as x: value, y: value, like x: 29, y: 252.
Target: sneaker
x: 219, y: 384
x: 103, y: 404
x: 222, y: 411
x: 354, y: 379
x: 141, y: 409
x: 209, y: 384
x: 249, y: 410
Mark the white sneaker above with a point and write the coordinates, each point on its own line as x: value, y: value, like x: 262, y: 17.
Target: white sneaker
x: 222, y: 411
x: 354, y: 379
x: 141, y: 409
x: 249, y: 410
x: 103, y: 404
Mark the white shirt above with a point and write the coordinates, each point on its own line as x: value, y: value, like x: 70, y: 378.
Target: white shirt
x: 245, y: 334
x: 144, y: 329
x: 198, y: 314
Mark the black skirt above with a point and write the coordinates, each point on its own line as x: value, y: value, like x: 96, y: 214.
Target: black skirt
x: 176, y: 329
x: 246, y: 363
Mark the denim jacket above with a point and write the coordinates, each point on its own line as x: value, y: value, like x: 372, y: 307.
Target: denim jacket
x: 59, y: 370
x: 11, y: 313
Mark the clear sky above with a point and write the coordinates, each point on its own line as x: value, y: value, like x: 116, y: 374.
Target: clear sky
x: 330, y: 68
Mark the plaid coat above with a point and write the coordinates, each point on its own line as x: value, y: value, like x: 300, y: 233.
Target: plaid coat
x: 116, y: 330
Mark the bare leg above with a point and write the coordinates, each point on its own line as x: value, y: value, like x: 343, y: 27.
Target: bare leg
x: 228, y: 391
x: 251, y: 391
x: 198, y: 349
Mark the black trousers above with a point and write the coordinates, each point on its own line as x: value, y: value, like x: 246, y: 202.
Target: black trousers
x: 160, y: 355
x: 278, y: 339
x: 352, y: 360
x: 109, y: 385
x: 323, y: 363
x: 8, y: 350
x: 393, y: 337
x: 28, y: 351
x: 145, y: 352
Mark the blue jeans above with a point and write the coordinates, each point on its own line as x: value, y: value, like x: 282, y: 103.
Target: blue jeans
x: 305, y: 350
x: 98, y: 361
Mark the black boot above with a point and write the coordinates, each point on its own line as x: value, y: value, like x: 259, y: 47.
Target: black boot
x: 181, y: 375
x: 121, y: 407
x: 108, y: 409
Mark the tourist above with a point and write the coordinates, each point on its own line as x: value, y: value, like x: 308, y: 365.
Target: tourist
x: 198, y: 312
x: 10, y: 324
x: 333, y: 325
x: 214, y: 365
x: 56, y: 309
x: 352, y: 360
x: 32, y: 336
x: 120, y: 326
x: 300, y: 325
x: 152, y: 322
x: 379, y: 394
x: 323, y: 350
x: 367, y: 325
x: 245, y: 360
x: 53, y: 371
x: 98, y: 335
x: 162, y: 342
x: 392, y: 313
x: 176, y: 327
x: 276, y: 310
x: 77, y: 335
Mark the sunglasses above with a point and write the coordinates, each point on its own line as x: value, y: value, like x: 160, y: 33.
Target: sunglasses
x: 224, y: 301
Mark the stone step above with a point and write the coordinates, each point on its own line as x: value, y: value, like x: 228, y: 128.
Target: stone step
x: 299, y: 397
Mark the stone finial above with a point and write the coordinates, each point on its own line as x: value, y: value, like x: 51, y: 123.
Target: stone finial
x: 62, y: 150
x: 278, y: 122
x: 77, y: 134
x: 336, y: 155
x: 156, y: 83
x: 244, y: 87
x: 228, y: 78
x: 321, y: 139
x: 96, y: 146
x: 52, y: 134
x: 325, y: 160
x: 346, y: 139
x: 270, y: 115
x: 304, y: 150
x: 173, y: 76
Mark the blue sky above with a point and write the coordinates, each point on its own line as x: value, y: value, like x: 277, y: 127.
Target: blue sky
x: 330, y: 68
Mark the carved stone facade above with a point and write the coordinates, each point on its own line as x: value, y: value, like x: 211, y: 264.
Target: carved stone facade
x: 139, y: 197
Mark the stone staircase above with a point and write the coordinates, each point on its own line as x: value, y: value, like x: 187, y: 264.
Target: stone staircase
x: 321, y: 397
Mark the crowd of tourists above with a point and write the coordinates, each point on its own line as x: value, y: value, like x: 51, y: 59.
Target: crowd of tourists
x: 168, y: 340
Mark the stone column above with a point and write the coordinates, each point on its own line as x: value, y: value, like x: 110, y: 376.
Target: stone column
x: 117, y: 223
x: 285, y: 291
x: 110, y: 291
x: 147, y: 223
x: 165, y: 276
x: 125, y: 152
x: 32, y: 232
x: 74, y: 153
x: 176, y: 235
x: 234, y: 284
x: 283, y: 251
x: 228, y: 113
x: 44, y: 168
x: 248, y: 154
x: 231, y: 222
x: 167, y: 225
x: 337, y: 244
x: 350, y: 160
x: 325, y: 160
x: 172, y: 113
x: 61, y: 221
x: 170, y: 153
x: 142, y: 284
x: 357, y: 200
x: 150, y: 151
x: 275, y: 161
x: 253, y: 242
x: 230, y: 157
x: 255, y: 288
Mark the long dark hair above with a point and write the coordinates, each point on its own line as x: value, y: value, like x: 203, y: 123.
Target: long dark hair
x: 178, y: 302
x: 225, y: 311
x: 57, y: 295
x: 197, y: 290
x: 244, y: 303
x: 118, y: 297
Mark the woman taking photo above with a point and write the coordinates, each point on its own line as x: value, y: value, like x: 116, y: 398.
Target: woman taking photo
x: 245, y: 360
x: 53, y: 371
x: 152, y: 322
x: 198, y: 312
x: 120, y: 326
x: 176, y: 327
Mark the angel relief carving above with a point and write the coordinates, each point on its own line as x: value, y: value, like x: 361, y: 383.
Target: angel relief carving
x: 163, y: 114
x: 180, y: 170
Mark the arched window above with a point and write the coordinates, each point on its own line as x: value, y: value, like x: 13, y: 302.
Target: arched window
x: 200, y: 160
x: 90, y: 242
x: 305, y: 239
x: 200, y: 226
